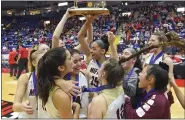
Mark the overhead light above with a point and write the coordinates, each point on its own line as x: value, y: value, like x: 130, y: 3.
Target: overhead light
x: 82, y: 18
x: 9, y: 12
x: 3, y: 28
x: 127, y: 13
x: 182, y: 9
x: 126, y: 3
x: 47, y: 22
x: 2, y: 24
x: 63, y: 4
x: 122, y: 3
x: 49, y: 10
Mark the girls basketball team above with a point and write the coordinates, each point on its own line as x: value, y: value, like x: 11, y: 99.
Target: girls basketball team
x: 57, y: 88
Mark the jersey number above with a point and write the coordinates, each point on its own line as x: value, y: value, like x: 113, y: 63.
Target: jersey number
x: 94, y: 81
x: 120, y: 112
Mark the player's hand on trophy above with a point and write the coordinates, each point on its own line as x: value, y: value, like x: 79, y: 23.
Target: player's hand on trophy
x: 68, y: 14
x: 90, y: 18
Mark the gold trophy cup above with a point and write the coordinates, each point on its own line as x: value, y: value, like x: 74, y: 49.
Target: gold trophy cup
x: 88, y: 11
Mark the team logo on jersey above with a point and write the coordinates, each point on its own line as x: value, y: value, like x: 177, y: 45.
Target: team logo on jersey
x: 31, y: 93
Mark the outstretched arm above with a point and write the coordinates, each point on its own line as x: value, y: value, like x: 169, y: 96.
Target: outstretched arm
x: 111, y: 39
x: 59, y: 30
x: 81, y: 37
x: 178, y: 93
x: 89, y: 37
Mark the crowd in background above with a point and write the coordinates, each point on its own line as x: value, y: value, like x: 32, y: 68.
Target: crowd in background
x: 135, y: 29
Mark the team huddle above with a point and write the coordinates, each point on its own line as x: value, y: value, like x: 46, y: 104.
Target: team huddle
x: 56, y: 87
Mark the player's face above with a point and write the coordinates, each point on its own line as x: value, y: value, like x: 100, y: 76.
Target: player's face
x: 96, y: 51
x: 143, y: 82
x: 76, y: 59
x: 125, y: 54
x: 44, y: 47
x: 153, y: 41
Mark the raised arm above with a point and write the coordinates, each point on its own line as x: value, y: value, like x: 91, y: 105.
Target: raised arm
x: 89, y: 37
x: 81, y: 37
x: 169, y: 62
x: 59, y: 29
x: 111, y: 39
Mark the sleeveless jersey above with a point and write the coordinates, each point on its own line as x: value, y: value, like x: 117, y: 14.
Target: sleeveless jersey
x: 93, y: 73
x: 115, y: 101
x: 84, y: 97
x: 50, y: 108
x: 29, y: 95
x: 160, y: 59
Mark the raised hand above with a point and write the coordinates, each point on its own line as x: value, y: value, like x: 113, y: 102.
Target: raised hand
x: 90, y: 18
x: 111, y: 37
x: 68, y: 14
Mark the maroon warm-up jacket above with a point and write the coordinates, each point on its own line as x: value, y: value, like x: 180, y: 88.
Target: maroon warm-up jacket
x: 157, y: 106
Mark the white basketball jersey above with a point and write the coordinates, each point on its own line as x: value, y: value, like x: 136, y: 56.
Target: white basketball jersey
x: 160, y: 59
x: 116, y: 108
x: 93, y: 73
x: 84, y: 96
x: 29, y: 95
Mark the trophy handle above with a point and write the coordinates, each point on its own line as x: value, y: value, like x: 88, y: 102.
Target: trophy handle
x: 76, y: 3
x: 103, y: 4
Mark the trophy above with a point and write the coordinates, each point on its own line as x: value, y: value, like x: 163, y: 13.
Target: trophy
x: 88, y: 11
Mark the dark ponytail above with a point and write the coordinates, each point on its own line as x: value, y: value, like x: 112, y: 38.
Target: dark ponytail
x: 104, y: 38
x: 103, y: 42
x: 48, y: 71
x: 44, y: 83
